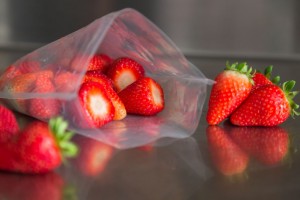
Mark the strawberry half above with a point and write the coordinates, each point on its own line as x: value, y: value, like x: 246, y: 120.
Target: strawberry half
x: 97, y: 76
x: 231, y: 88
x: 268, y: 105
x: 143, y: 97
x: 125, y: 71
x: 95, y: 106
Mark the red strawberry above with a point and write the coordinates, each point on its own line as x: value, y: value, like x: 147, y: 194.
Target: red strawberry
x: 125, y: 71
x: 93, y: 156
x: 38, y: 148
x: 95, y: 109
x: 43, y: 108
x: 97, y: 76
x: 268, y: 105
x: 261, y: 79
x: 10, y: 72
x: 228, y: 158
x: 23, y: 84
x: 143, y: 97
x: 99, y: 62
x: 269, y: 145
x: 232, y: 87
x: 66, y: 81
x: 29, y: 66
x: 8, y: 124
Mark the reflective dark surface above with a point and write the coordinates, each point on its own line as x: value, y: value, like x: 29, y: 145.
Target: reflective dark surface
x: 210, y: 34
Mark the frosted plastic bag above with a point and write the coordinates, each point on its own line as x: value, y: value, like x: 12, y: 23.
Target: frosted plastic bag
x: 118, y: 34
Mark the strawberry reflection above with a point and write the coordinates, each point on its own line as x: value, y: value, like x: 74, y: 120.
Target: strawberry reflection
x: 228, y: 158
x: 268, y: 145
x: 29, y: 187
x: 93, y: 155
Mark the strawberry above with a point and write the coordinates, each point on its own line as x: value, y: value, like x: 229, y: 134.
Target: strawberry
x: 23, y: 84
x: 66, y: 81
x: 261, y: 79
x: 143, y: 97
x: 268, y: 105
x: 125, y: 71
x: 8, y: 124
x: 29, y: 66
x: 269, y: 145
x: 94, y: 109
x: 38, y: 148
x: 93, y: 156
x: 228, y: 157
x: 99, y: 62
x: 231, y: 88
x: 42, y: 108
x: 9, y: 73
x: 97, y: 76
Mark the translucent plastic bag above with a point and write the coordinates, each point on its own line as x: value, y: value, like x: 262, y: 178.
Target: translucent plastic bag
x: 118, y: 34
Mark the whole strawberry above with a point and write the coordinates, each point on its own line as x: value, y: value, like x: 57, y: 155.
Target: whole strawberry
x: 39, y: 148
x: 8, y: 124
x: 261, y: 79
x: 231, y: 88
x: 268, y: 105
x: 228, y: 158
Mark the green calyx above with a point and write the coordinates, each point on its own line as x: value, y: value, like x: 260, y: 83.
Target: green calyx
x: 58, y: 127
x: 287, y: 89
x: 268, y: 72
x: 241, y: 68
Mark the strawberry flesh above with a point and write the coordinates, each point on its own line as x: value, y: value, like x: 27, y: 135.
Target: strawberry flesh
x: 125, y: 71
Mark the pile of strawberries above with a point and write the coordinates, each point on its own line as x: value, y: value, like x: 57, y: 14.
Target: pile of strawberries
x: 250, y: 98
x: 110, y: 89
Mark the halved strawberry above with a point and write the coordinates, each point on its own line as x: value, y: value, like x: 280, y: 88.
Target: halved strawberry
x: 125, y: 71
x: 95, y: 106
x: 143, y: 97
x: 97, y: 76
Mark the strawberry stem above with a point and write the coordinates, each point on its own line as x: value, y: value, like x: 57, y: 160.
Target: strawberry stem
x: 241, y: 68
x: 58, y: 127
x: 287, y: 89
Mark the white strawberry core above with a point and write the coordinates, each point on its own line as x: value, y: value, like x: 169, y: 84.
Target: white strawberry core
x: 98, y: 105
x: 125, y: 79
x: 156, y: 94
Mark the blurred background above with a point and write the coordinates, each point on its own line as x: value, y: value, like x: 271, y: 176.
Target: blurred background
x: 206, y: 27
x: 202, y: 29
